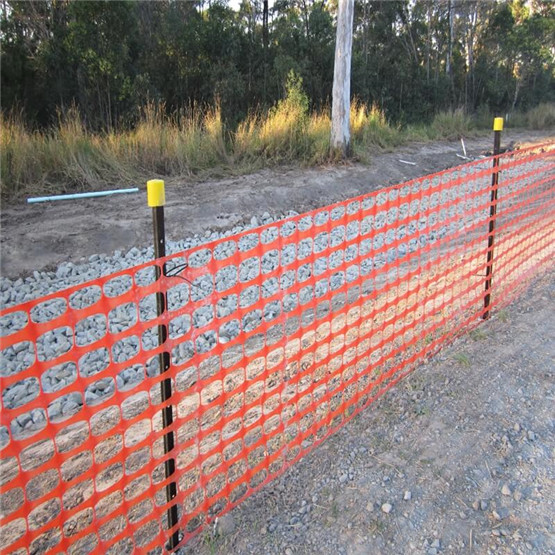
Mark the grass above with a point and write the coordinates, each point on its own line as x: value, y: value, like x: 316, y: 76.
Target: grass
x: 196, y: 143
x: 463, y: 359
x: 541, y: 117
x: 478, y: 335
x: 211, y: 541
x: 503, y: 315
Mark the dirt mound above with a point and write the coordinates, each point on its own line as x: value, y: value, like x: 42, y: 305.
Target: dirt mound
x: 41, y: 236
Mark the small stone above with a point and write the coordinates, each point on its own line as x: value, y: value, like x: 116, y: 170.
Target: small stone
x: 500, y: 513
x: 517, y: 495
x: 369, y: 506
x: 288, y: 551
x: 516, y: 427
x: 435, y: 543
x: 531, y: 435
x: 476, y: 505
x: 506, y: 490
x: 483, y: 505
x: 387, y: 507
x: 225, y: 525
x: 343, y: 478
x: 407, y: 496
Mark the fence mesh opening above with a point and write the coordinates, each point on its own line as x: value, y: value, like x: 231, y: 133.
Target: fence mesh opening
x: 277, y: 336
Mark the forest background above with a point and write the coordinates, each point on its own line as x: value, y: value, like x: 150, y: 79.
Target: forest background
x: 102, y: 92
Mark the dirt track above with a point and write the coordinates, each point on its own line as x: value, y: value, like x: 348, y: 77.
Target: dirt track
x: 41, y: 236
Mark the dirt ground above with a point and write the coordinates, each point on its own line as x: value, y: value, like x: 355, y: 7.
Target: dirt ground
x: 457, y: 458
x: 41, y: 236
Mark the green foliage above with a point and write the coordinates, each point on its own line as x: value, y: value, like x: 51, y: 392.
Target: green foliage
x: 478, y: 335
x: 110, y: 59
x: 282, y: 133
x: 503, y: 315
x: 542, y: 116
x: 463, y: 359
x: 295, y: 99
x: 451, y: 125
x: 99, y: 91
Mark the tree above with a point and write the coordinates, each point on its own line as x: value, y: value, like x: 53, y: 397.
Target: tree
x: 341, y: 100
x: 410, y: 58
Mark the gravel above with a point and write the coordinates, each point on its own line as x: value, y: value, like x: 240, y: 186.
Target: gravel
x: 55, y: 343
x: 59, y: 341
x: 387, y: 508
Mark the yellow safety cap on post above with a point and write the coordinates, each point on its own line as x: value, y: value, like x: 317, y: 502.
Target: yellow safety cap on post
x: 498, y: 124
x: 155, y: 193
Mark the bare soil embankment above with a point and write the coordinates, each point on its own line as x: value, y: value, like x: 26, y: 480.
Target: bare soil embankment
x: 41, y: 236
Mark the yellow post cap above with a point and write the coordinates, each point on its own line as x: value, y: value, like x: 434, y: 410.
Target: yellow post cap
x: 498, y: 124
x: 155, y: 193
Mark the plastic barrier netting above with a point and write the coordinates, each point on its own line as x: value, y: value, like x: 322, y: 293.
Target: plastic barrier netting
x: 277, y: 337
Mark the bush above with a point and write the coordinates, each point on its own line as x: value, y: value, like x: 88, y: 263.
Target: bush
x: 67, y: 157
x: 542, y: 116
x: 369, y: 128
x: 452, y: 124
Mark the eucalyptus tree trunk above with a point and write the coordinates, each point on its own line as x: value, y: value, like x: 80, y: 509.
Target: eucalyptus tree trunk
x: 341, y: 98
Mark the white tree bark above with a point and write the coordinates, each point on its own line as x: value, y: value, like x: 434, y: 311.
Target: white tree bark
x: 341, y: 100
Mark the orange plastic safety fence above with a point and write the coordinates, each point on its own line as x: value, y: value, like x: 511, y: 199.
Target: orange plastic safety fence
x: 277, y: 337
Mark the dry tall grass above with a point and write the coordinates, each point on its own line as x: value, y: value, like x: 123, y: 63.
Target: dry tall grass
x: 195, y: 142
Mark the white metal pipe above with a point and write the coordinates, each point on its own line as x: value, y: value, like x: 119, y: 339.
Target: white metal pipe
x: 82, y: 195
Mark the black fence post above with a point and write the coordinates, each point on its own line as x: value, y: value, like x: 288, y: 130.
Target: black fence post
x: 497, y: 128
x: 156, y: 199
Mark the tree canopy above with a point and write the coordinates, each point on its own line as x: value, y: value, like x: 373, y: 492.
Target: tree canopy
x: 411, y: 58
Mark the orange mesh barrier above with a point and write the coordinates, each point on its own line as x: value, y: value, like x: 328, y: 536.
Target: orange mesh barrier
x: 277, y: 336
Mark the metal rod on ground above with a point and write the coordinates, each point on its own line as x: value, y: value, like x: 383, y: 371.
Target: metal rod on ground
x: 156, y: 199
x: 74, y: 196
x: 497, y: 128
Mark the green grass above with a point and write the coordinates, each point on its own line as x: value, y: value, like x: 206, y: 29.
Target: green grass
x: 196, y: 143
x: 451, y: 125
x: 541, y: 117
x: 503, y: 316
x: 478, y: 335
x: 463, y: 359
